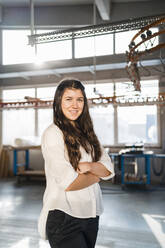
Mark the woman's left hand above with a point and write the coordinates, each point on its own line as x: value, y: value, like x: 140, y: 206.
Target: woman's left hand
x: 83, y: 167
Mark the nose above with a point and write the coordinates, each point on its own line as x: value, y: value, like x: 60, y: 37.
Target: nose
x: 75, y: 104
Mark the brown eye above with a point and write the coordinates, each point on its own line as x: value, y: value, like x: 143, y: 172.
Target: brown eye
x: 80, y: 100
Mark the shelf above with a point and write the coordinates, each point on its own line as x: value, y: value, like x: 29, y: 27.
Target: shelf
x: 31, y: 173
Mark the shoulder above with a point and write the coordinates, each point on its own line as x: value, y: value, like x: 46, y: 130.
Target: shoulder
x: 52, y: 133
x: 52, y: 129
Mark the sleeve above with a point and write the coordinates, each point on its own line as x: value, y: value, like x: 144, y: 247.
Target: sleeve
x: 56, y: 164
x: 106, y: 161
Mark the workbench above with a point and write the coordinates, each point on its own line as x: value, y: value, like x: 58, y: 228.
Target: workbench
x: 147, y: 174
x: 146, y: 178
x: 23, y: 169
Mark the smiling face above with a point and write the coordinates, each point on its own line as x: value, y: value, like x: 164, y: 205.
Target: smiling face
x: 72, y: 103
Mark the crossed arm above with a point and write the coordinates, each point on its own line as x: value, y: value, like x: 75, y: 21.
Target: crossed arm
x: 89, y: 173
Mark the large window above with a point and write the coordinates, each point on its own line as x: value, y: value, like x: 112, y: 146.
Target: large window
x: 16, y: 49
x: 114, y: 125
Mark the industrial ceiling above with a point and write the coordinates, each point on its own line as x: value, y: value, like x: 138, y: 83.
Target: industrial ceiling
x: 71, y: 13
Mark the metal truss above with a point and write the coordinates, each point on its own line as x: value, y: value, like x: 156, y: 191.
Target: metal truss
x: 137, y: 49
x: 104, y: 101
x: 94, y: 30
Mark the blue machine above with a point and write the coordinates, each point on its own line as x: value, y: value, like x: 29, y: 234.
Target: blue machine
x: 132, y: 154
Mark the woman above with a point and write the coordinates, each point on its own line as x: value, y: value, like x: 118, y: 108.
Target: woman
x: 74, y: 164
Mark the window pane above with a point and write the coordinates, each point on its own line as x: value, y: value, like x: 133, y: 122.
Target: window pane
x: 17, y: 94
x: 20, y: 122
x: 149, y: 88
x: 15, y: 47
x: 137, y: 124
x: 46, y: 93
x: 54, y: 50
x: 90, y: 46
x: 94, y: 90
x: 84, y: 47
x: 122, y: 40
x: 45, y: 118
x: 103, y: 122
x: 16, y: 124
x: 104, y: 44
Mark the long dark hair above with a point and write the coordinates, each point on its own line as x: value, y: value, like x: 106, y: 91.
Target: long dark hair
x: 80, y: 134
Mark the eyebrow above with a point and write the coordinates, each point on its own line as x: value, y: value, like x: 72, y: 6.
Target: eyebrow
x: 80, y: 97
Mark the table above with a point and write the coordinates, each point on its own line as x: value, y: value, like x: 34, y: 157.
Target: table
x: 147, y: 157
x: 23, y: 169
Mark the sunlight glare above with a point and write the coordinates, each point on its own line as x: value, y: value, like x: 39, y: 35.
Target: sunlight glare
x: 156, y: 227
x: 23, y: 243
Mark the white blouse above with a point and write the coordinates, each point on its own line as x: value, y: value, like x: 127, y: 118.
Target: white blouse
x: 84, y: 203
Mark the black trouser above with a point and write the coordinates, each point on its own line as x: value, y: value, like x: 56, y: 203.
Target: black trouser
x: 65, y: 231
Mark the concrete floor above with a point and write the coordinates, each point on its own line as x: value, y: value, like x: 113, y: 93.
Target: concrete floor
x: 133, y: 218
